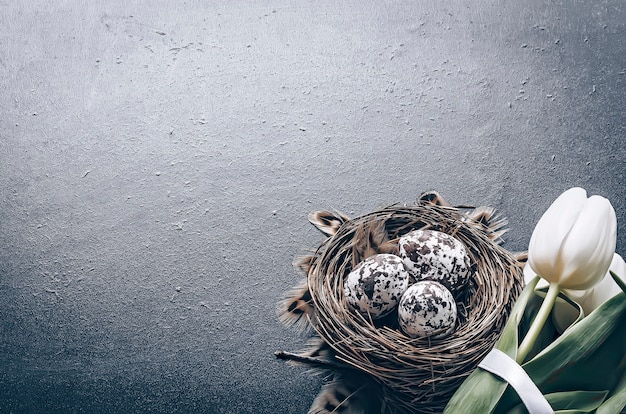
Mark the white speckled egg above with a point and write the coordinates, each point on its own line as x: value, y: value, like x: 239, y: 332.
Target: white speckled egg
x: 433, y: 255
x: 427, y: 308
x: 376, y: 285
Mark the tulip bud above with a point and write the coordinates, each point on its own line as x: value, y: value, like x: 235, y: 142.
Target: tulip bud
x: 574, y: 241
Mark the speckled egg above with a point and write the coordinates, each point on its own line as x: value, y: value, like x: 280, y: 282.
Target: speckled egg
x: 427, y: 308
x: 376, y: 285
x: 437, y: 256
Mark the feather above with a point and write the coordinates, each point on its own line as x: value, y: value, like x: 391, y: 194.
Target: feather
x: 432, y: 197
x: 522, y: 258
x: 370, y: 239
x: 327, y: 222
x: 296, y: 309
x: 304, y: 263
x: 318, y: 356
x: 348, y: 393
x: 485, y: 219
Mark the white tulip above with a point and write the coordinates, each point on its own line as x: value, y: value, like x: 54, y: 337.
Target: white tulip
x: 574, y: 241
x: 571, y: 247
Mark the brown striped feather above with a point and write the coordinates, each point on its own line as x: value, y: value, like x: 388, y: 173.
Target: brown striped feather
x: 327, y: 222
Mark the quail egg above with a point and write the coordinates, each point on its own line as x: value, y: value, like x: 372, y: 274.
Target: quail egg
x: 376, y: 285
x: 427, y: 308
x: 437, y: 256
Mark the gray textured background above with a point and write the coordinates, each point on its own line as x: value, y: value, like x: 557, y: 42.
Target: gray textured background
x: 158, y: 161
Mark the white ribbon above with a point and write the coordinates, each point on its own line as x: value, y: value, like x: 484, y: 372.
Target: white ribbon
x: 505, y: 367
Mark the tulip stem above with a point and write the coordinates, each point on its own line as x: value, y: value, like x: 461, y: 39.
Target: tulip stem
x: 538, y: 323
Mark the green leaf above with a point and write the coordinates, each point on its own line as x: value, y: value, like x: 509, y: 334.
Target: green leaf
x: 617, y: 399
x: 618, y: 280
x: 569, y: 402
x: 509, y: 339
x: 584, y: 401
x: 570, y: 412
x: 481, y: 391
x: 575, y: 307
x: 588, y: 356
x: 478, y: 394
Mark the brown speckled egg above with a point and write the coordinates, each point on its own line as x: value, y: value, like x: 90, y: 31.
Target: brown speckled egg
x: 376, y: 285
x: 427, y: 309
x: 437, y: 256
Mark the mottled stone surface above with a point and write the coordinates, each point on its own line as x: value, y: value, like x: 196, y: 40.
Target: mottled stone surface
x: 158, y: 161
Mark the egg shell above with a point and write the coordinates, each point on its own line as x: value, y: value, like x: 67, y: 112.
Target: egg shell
x: 376, y: 285
x: 437, y: 256
x: 426, y: 309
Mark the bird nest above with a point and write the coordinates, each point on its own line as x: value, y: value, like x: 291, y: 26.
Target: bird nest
x: 401, y: 374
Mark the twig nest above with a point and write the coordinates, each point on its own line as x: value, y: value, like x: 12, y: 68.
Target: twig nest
x: 376, y: 285
x: 417, y: 375
x: 437, y: 256
x: 426, y: 309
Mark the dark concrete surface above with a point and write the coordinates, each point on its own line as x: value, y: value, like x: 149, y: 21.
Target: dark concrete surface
x: 158, y: 160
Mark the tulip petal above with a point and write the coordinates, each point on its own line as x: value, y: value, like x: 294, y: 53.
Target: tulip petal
x: 587, y: 249
x: 577, y: 296
x: 564, y: 211
x: 551, y: 229
x: 607, y: 288
x: 529, y: 275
